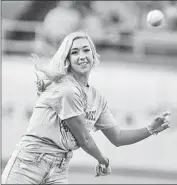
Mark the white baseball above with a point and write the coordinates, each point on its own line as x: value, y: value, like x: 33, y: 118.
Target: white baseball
x: 155, y: 17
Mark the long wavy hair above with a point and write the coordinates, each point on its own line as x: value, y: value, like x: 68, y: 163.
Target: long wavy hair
x: 59, y: 64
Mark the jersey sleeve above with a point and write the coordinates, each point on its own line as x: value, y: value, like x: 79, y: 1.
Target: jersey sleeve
x: 67, y: 103
x: 106, y: 119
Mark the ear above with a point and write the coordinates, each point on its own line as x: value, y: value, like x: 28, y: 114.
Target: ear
x: 67, y: 63
x: 67, y: 66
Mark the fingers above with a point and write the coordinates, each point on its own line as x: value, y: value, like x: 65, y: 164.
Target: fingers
x: 102, y: 170
x: 163, y: 127
x: 166, y: 123
x: 160, y: 123
x: 163, y: 117
x: 158, y: 118
x: 165, y: 114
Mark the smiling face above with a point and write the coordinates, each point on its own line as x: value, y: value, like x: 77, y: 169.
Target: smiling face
x: 81, y: 56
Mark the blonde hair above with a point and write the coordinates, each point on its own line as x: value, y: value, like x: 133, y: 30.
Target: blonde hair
x: 59, y: 63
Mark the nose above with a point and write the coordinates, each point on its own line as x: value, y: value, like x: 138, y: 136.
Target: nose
x: 82, y: 56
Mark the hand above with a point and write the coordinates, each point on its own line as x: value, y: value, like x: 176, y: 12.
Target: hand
x: 102, y: 169
x: 159, y: 124
x: 104, y: 161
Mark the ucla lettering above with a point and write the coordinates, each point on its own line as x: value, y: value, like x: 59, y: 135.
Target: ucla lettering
x: 90, y: 115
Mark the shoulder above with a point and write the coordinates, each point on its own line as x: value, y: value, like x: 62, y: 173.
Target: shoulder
x: 102, y: 101
x: 66, y: 87
x: 96, y: 92
x: 71, y: 90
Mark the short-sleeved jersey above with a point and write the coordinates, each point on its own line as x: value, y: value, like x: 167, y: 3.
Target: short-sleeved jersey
x: 61, y: 101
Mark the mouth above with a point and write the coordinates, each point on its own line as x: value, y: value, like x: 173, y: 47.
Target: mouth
x: 83, y: 64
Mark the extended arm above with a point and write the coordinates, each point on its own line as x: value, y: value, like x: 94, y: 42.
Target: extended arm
x: 126, y: 137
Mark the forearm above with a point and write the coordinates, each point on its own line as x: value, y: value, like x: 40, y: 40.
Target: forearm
x: 91, y: 148
x: 84, y: 138
x: 127, y: 137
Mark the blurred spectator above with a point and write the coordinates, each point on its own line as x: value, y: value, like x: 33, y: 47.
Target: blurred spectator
x: 112, y: 22
x: 117, y: 18
x: 93, y: 25
x: 121, y: 14
x: 84, y: 7
x: 61, y: 21
x: 26, y: 11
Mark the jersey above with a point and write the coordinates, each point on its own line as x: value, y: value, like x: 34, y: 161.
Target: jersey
x: 61, y: 101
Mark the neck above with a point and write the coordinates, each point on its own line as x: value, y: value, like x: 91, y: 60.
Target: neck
x: 82, y: 79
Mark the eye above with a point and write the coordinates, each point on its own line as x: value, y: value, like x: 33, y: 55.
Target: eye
x: 86, y: 50
x: 74, y: 52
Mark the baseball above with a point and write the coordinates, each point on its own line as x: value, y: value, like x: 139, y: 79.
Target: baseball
x: 155, y: 17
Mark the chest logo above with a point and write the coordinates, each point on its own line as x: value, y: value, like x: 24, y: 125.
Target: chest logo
x: 90, y: 115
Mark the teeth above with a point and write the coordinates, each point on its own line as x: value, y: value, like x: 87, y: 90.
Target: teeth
x: 83, y: 64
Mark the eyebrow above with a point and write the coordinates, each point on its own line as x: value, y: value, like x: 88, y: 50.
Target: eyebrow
x: 77, y: 48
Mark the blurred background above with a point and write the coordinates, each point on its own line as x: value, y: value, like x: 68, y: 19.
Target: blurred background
x: 137, y: 75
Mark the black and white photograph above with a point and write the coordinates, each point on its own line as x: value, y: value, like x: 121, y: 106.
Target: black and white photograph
x: 89, y: 92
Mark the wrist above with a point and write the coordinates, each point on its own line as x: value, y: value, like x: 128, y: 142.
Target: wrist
x: 151, y: 130
x: 105, y: 162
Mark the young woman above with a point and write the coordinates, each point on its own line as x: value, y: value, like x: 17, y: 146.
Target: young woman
x: 68, y: 108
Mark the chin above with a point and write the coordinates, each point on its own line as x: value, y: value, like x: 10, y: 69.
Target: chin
x: 83, y: 70
x: 86, y: 71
